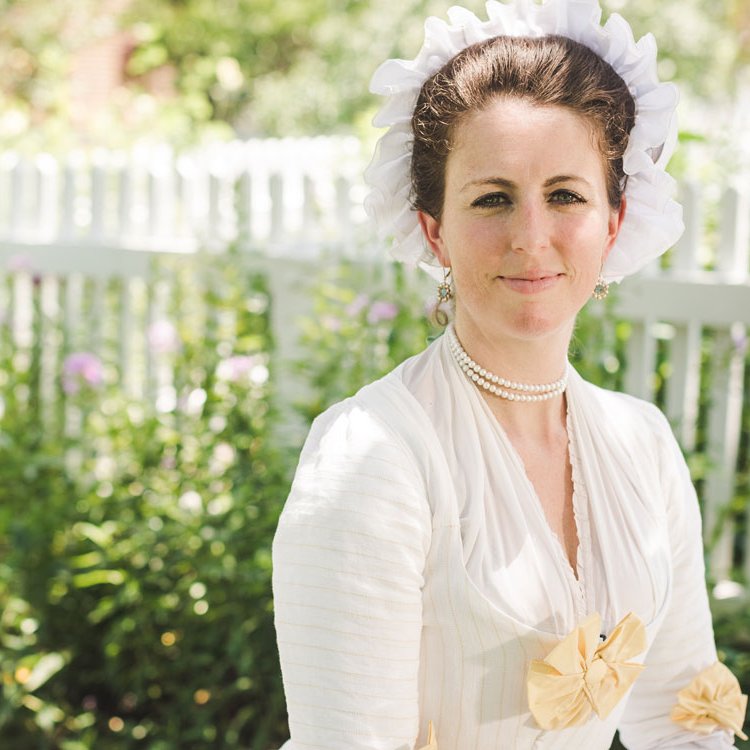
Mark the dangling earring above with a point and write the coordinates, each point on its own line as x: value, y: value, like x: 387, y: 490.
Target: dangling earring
x: 445, y: 288
x: 601, y: 289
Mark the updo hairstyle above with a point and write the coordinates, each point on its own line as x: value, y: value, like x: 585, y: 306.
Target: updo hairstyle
x: 549, y: 70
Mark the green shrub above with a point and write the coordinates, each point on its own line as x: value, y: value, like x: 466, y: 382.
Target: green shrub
x: 135, y: 531
x: 135, y: 582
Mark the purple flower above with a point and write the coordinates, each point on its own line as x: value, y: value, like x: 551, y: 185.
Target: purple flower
x: 242, y: 367
x: 381, y: 311
x: 81, y: 369
x: 163, y: 337
x: 23, y: 264
x: 19, y: 264
x: 331, y: 323
x: 357, y: 305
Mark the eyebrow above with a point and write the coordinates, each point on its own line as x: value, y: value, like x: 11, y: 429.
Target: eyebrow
x: 509, y: 184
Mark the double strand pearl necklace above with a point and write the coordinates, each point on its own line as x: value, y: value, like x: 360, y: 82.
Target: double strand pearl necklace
x: 507, y: 389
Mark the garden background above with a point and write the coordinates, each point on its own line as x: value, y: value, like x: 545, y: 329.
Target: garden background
x: 155, y: 383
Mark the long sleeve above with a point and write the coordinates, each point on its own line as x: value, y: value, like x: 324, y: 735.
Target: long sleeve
x: 348, y: 558
x: 685, y: 643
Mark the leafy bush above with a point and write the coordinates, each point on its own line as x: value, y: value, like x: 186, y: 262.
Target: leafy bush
x: 135, y: 530
x: 135, y: 578
x: 732, y: 632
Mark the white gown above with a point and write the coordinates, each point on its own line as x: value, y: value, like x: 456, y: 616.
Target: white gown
x: 416, y: 576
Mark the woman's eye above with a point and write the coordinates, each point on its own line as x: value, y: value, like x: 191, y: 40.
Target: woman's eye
x: 566, y: 196
x: 491, y: 199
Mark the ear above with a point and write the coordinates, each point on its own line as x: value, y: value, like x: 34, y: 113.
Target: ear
x: 616, y: 218
x: 432, y: 231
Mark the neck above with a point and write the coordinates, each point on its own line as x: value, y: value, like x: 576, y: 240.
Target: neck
x: 534, y: 362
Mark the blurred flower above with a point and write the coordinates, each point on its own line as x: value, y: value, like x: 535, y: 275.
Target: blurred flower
x: 19, y: 264
x: 381, y: 311
x: 23, y: 264
x: 163, y: 337
x: 259, y: 374
x: 229, y: 74
x: 191, y: 502
x: 331, y: 323
x: 168, y: 462
x: 105, y: 468
x: 222, y: 458
x: 233, y: 369
x: 242, y: 367
x: 166, y: 399
x: 224, y: 453
x: 81, y: 369
x: 357, y: 305
x: 195, y: 401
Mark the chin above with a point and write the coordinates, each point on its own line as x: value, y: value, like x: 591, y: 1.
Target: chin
x: 531, y: 326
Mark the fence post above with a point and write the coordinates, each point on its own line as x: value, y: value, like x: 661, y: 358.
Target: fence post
x: 49, y: 196
x: 724, y: 428
x: 641, y: 355
x: 687, y: 251
x: 276, y: 192
x: 683, y: 388
x: 734, y: 244
x: 98, y: 198
x: 67, y: 223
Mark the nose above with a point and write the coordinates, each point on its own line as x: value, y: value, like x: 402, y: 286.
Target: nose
x: 530, y: 229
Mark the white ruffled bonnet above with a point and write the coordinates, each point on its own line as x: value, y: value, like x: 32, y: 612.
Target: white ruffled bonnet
x: 653, y: 220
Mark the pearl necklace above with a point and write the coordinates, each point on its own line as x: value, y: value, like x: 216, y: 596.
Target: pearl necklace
x: 499, y: 386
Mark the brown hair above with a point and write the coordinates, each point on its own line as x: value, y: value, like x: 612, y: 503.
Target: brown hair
x: 550, y: 70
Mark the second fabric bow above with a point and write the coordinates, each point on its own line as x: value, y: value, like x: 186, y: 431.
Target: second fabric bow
x: 582, y: 674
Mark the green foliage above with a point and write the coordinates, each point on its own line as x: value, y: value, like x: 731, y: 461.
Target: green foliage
x: 353, y: 338
x: 135, y: 531
x: 135, y: 576
x: 732, y: 632
x: 295, y: 67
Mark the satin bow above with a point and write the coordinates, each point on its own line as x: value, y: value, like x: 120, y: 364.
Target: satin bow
x: 579, y: 676
x: 431, y: 741
x: 712, y: 699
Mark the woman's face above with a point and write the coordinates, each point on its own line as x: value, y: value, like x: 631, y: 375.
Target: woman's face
x: 526, y: 224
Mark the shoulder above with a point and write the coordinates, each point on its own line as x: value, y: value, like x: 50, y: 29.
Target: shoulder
x: 630, y: 416
x: 636, y: 432
x: 357, y: 477
x: 382, y: 417
x: 367, y: 446
x: 368, y: 421
x: 638, y: 429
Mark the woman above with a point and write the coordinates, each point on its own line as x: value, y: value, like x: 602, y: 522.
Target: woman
x: 481, y: 550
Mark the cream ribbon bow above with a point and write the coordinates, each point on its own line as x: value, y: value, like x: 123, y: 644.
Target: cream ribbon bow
x: 579, y: 676
x: 712, y: 699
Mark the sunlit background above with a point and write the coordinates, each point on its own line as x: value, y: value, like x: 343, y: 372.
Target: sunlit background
x: 187, y: 279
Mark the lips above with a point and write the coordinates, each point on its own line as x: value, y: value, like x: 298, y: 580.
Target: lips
x: 532, y: 282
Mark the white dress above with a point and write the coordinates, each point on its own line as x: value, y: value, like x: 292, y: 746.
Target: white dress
x: 416, y: 576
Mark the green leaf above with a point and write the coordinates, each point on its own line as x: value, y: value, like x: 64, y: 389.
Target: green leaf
x: 47, y: 666
x: 99, y: 577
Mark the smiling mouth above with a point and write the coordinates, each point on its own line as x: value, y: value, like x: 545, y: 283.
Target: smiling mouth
x: 532, y: 283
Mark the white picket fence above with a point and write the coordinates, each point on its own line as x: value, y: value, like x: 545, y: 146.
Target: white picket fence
x: 101, y: 216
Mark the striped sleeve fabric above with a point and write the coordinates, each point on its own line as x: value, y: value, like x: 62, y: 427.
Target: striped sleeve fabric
x: 348, y: 556
x: 685, y: 644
